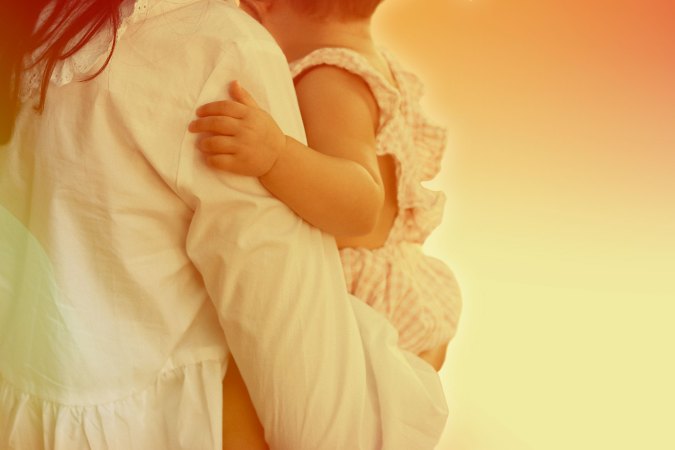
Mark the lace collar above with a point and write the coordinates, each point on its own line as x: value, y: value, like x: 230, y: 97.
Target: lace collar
x: 81, y: 64
x: 78, y: 66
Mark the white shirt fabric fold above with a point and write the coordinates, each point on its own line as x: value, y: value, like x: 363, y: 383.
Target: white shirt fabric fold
x: 129, y: 270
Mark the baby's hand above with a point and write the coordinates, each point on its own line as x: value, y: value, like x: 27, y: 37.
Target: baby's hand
x: 240, y: 136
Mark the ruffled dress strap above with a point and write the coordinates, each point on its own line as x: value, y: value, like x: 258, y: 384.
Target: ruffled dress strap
x: 429, y: 138
x: 387, y: 96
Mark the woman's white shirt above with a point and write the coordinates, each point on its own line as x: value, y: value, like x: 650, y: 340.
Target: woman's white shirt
x: 129, y: 269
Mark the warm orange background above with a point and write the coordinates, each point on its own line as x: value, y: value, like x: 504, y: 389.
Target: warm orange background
x: 560, y: 222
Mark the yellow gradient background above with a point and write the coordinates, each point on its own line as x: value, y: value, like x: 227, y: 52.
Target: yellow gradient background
x: 560, y: 222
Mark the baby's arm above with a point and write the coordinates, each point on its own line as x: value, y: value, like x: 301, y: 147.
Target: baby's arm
x: 436, y: 356
x: 335, y: 185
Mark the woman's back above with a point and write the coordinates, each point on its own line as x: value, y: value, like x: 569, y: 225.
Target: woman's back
x: 114, y: 315
x: 128, y: 269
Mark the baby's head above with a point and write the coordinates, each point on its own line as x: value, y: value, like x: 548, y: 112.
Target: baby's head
x: 338, y: 9
x: 317, y: 9
x: 300, y: 25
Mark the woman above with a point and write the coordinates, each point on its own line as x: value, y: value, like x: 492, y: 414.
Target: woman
x: 129, y: 271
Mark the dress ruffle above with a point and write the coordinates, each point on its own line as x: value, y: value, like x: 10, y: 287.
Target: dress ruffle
x: 430, y: 138
x: 184, y: 395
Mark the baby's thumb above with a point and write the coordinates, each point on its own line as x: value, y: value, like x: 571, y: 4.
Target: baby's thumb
x: 241, y: 95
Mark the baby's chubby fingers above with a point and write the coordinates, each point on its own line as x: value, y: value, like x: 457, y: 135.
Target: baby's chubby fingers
x: 229, y: 108
x: 226, y: 126
x: 218, y: 145
x: 241, y: 95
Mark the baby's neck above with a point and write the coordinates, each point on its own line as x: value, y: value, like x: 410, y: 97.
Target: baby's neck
x: 307, y: 35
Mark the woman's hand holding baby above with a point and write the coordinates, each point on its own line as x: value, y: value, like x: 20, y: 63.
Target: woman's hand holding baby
x: 239, y: 136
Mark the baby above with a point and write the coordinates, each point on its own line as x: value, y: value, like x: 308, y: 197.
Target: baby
x: 369, y: 149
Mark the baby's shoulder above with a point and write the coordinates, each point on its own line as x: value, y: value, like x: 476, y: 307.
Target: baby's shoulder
x: 330, y: 90
x: 345, y: 67
x: 345, y: 59
x: 327, y: 78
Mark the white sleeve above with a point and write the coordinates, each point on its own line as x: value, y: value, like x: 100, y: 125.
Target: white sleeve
x: 323, y: 371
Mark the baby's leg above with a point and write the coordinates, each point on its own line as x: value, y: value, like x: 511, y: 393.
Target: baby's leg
x: 436, y: 356
x: 241, y: 427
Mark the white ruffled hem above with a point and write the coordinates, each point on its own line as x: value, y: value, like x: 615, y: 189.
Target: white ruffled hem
x: 180, y: 410
x: 81, y: 64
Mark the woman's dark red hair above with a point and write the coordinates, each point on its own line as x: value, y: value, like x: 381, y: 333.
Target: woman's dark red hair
x: 44, y: 32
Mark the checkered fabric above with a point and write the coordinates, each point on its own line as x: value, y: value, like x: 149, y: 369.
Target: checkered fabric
x: 417, y: 293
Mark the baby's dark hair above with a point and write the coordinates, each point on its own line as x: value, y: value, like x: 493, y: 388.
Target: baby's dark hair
x: 343, y: 9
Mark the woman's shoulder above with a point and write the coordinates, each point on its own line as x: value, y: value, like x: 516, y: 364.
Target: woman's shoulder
x: 212, y: 23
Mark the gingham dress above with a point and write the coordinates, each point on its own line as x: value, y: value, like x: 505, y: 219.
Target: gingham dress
x: 417, y: 293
